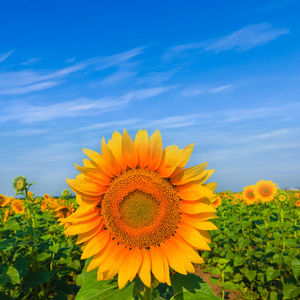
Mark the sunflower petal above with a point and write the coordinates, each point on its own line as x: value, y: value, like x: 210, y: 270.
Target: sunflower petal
x: 94, y: 174
x: 95, y: 244
x: 192, y: 236
x: 109, y: 158
x: 142, y: 145
x: 195, y: 208
x: 156, y: 150
x: 84, y: 226
x: 193, y: 192
x: 203, y: 225
x: 129, y: 150
x: 144, y: 270
x: 157, y: 264
x: 115, y: 145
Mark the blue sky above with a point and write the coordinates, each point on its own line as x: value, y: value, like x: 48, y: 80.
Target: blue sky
x: 221, y: 74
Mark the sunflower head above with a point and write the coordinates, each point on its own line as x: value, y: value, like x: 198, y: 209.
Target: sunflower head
x: 3, y: 200
x: 297, y: 203
x: 249, y: 195
x: 140, y: 212
x: 18, y: 206
x: 265, y: 190
x: 20, y: 184
x: 282, y: 196
x: 217, y: 202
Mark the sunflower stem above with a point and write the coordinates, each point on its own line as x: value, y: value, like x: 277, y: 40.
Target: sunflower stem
x: 147, y: 293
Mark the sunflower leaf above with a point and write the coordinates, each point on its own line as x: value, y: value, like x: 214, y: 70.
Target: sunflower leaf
x: 191, y: 287
x: 104, y: 289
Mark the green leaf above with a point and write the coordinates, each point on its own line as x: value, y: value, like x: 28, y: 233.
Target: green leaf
x: 250, y: 275
x: 290, y: 291
x: 54, y: 248
x: 191, y: 287
x: 13, y: 274
x: 292, y: 243
x: 228, y: 285
x: 11, y: 225
x: 238, y: 261
x: 214, y: 280
x: 84, y: 274
x: 273, y: 295
x: 104, y: 289
x: 271, y: 273
x: 34, y: 279
x: 277, y: 259
x: 43, y: 256
x: 296, y: 267
x: 21, y: 264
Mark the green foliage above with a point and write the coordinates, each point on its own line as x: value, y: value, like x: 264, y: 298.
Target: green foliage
x: 262, y: 246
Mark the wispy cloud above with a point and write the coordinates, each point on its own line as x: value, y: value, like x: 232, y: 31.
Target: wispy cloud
x: 195, y: 91
x: 248, y: 37
x: 24, y: 132
x: 30, y: 61
x: 221, y: 88
x: 4, y: 56
x: 81, y: 106
x: 26, y: 81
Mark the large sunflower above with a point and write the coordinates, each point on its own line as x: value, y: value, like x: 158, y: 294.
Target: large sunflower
x: 265, y: 190
x: 139, y: 211
x: 249, y: 195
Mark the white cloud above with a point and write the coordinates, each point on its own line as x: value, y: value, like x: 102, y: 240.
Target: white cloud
x: 29, y: 113
x: 221, y: 88
x: 6, y: 55
x: 248, y: 37
x: 30, y: 61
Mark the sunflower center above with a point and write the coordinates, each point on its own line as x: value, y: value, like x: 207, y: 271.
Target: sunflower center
x: 140, y: 208
x: 265, y: 191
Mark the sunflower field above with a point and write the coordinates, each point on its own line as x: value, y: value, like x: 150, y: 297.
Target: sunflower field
x: 142, y: 221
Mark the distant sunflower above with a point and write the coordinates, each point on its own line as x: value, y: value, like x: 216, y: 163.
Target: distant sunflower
x: 282, y: 196
x: 20, y: 183
x: 46, y: 196
x: 265, y: 190
x: 249, y: 195
x: 297, y: 203
x: 139, y: 211
x: 3, y: 200
x: 18, y: 206
x: 217, y: 203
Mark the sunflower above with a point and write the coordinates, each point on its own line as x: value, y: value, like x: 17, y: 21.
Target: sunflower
x: 249, y: 195
x: 297, y: 203
x: 265, y: 190
x: 217, y: 203
x: 140, y: 212
x: 3, y: 200
x: 20, y: 183
x: 282, y: 196
x: 18, y: 207
x: 222, y: 194
x: 46, y: 197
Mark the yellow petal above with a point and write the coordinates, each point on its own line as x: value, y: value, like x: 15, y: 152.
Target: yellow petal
x: 115, y: 145
x: 166, y: 267
x: 130, y: 266
x: 157, y: 264
x: 192, y: 236
x: 156, y: 150
x: 195, y: 208
x: 109, y: 158
x: 142, y: 145
x: 211, y: 186
x: 98, y: 159
x: 84, y: 226
x: 173, y: 259
x: 129, y: 150
x: 203, y: 225
x: 83, y: 237
x: 191, y: 174
x: 202, y: 216
x: 86, y: 188
x: 86, y: 217
x: 188, y: 266
x: 94, y: 174
x: 95, y: 244
x: 192, y: 191
x: 191, y: 254
x: 144, y: 270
